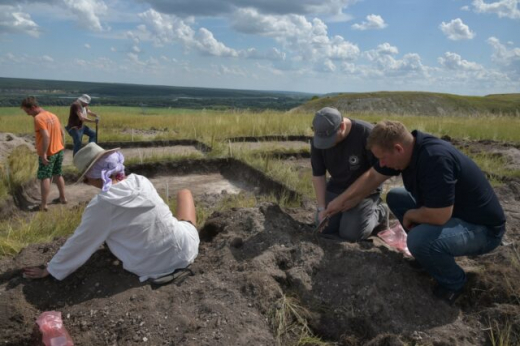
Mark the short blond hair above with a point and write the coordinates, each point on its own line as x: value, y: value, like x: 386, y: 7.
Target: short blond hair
x: 386, y: 133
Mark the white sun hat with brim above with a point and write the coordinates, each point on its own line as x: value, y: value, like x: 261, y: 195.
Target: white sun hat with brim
x: 84, y: 98
x: 87, y: 157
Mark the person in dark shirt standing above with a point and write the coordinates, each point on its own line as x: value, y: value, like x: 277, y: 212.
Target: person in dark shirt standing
x: 78, y: 116
x: 339, y: 148
x: 447, y: 206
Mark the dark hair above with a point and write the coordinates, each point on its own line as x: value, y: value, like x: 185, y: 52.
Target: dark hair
x: 29, y: 102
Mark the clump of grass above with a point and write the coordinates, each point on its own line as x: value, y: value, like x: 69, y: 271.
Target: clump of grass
x: 494, y: 165
x: 280, y: 171
x: 21, y: 167
x: 288, y: 319
x: 16, y: 233
x: 502, y: 334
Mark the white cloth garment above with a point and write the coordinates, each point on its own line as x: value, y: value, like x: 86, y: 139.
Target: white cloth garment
x: 137, y: 226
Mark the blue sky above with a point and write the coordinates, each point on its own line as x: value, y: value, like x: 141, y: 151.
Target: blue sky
x: 467, y: 47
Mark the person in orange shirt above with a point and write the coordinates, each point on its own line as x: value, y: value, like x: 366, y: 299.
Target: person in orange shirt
x: 49, y: 145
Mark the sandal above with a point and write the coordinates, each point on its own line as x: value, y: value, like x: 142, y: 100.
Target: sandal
x: 37, y: 207
x: 58, y: 201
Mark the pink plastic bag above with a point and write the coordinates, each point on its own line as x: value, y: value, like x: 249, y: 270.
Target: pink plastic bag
x: 52, y: 329
x: 395, y: 237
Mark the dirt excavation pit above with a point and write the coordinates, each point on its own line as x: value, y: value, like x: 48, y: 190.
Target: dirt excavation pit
x: 208, y: 180
x: 147, y: 153
x: 269, y: 146
x: 269, y: 143
x: 254, y: 265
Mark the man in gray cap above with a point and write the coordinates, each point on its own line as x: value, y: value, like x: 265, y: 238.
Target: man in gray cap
x: 78, y: 116
x: 339, y: 148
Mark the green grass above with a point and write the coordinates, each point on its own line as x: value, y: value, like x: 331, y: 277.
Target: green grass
x: 16, y: 233
x: 211, y: 127
x: 502, y: 334
x: 117, y: 124
x: 19, y: 168
x: 494, y: 165
x: 458, y: 105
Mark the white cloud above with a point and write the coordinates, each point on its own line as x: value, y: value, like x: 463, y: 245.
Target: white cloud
x: 88, y: 12
x: 86, y: 45
x: 326, y: 66
x: 507, y: 58
x: 185, y: 8
x: 113, y: 49
x: 233, y: 71
x: 47, y: 58
x: 273, y: 54
x: 13, y: 20
x: 206, y: 43
x: 381, y: 50
x: 453, y: 61
x: 456, y: 30
x: 307, y: 40
x: 502, y: 8
x: 166, y: 29
x: 136, y: 49
x: 373, y: 22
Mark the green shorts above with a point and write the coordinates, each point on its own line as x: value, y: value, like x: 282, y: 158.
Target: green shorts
x: 53, y: 168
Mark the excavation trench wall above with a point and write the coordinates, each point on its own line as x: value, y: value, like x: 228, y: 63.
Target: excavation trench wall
x: 148, y: 144
x: 230, y: 169
x: 269, y: 139
x: 233, y: 170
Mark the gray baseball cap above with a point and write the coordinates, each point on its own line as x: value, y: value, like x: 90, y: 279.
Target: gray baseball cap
x: 326, y: 125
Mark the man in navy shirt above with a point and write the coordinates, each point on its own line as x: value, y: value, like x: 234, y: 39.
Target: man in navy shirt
x: 447, y: 205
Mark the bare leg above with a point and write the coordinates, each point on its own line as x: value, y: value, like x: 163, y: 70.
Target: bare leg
x: 186, y: 207
x: 45, y: 185
x: 60, y: 182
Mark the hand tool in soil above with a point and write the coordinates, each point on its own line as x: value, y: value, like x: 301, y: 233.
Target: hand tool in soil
x: 321, y: 226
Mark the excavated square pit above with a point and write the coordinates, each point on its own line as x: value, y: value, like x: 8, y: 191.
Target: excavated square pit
x: 153, y: 149
x: 269, y: 143
x: 208, y: 180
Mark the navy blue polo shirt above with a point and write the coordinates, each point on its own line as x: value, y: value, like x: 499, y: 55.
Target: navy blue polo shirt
x: 440, y: 176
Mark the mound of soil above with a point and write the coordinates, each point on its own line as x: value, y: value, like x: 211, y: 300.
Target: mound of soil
x: 251, y: 261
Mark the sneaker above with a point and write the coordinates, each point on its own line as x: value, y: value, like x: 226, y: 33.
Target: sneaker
x: 178, y: 276
x: 447, y: 295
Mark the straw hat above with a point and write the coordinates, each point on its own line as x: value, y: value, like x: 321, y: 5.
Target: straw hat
x: 87, y: 157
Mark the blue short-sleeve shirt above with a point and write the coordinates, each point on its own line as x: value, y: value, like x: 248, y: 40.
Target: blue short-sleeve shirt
x: 440, y: 176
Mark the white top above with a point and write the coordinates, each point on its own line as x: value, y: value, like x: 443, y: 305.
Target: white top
x: 137, y: 226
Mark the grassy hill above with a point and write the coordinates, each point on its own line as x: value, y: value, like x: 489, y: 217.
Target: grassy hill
x: 420, y: 103
x: 61, y: 93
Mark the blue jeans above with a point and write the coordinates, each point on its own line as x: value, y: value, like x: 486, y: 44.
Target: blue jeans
x: 435, y: 247
x: 77, y: 136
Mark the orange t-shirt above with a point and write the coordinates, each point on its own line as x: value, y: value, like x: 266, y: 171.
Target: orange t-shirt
x: 49, y: 122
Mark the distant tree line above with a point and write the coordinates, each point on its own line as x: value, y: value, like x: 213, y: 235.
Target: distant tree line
x: 284, y: 103
x: 62, y: 93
